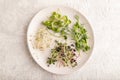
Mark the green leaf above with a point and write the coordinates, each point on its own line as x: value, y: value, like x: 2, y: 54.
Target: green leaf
x: 80, y: 36
x: 57, y: 23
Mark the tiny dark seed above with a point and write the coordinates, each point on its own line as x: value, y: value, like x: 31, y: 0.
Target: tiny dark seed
x: 63, y: 59
x: 72, y: 60
x: 74, y: 50
x: 68, y: 47
x: 63, y: 55
x: 58, y: 49
x: 72, y: 45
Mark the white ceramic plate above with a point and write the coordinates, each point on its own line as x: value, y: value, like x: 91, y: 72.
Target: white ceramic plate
x: 41, y: 57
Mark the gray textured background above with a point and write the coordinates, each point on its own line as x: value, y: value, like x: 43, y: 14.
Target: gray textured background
x: 16, y: 62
